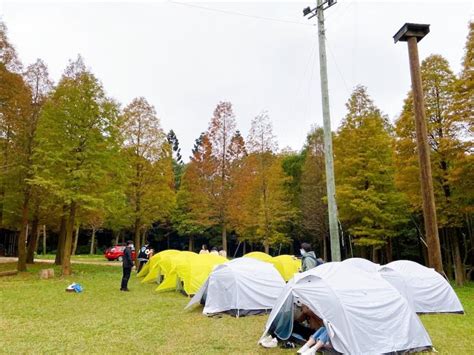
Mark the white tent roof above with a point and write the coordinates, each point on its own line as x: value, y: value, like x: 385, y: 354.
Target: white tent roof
x: 364, y: 314
x: 429, y: 291
x: 241, y: 284
x: 362, y: 264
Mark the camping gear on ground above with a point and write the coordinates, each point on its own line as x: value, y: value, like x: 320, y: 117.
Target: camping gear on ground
x: 151, y: 270
x: 428, y: 290
x: 362, y: 312
x: 240, y: 287
x: 287, y: 265
x: 74, y: 287
x: 362, y: 264
x: 192, y: 272
x: 259, y: 256
x: 424, y: 288
x: 168, y: 276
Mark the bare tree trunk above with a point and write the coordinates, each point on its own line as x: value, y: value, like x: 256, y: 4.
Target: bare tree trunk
x: 375, y: 255
x: 191, y: 243
x: 117, y: 236
x: 325, y: 249
x: 66, y: 264
x: 76, y: 238
x: 44, y: 239
x: 448, y: 255
x: 458, y: 264
x: 34, y: 237
x: 137, y: 236
x: 389, y: 250
x: 144, y: 236
x: 266, y: 247
x: 23, y: 234
x: 224, y: 237
x: 61, y: 238
x: 92, y: 241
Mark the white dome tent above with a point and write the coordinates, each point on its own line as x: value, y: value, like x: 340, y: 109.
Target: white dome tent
x: 362, y: 264
x: 428, y: 290
x: 363, y: 313
x: 240, y: 287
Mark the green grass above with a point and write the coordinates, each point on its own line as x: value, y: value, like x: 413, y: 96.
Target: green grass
x: 38, y: 316
x: 81, y: 257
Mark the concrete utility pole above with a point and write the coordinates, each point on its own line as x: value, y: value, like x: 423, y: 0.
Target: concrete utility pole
x: 328, y: 154
x: 413, y: 33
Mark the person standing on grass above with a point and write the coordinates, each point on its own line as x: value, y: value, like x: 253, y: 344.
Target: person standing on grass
x: 127, y: 265
x: 145, y: 253
x: 204, y: 249
x: 308, y: 257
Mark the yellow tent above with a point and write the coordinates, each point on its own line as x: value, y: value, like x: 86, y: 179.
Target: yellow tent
x: 287, y: 265
x: 168, y: 267
x: 259, y: 256
x: 193, y: 272
x: 154, y: 269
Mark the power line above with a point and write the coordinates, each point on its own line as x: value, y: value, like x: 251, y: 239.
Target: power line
x: 337, y: 67
x: 235, y: 13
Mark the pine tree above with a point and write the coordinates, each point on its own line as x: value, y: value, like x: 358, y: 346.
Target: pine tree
x: 149, y: 159
x: 368, y: 201
x: 76, y: 146
x: 265, y: 206
x: 178, y: 165
x: 220, y: 133
x: 313, y: 190
x: 194, y: 212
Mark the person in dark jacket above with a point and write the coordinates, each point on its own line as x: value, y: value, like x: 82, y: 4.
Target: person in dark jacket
x: 127, y: 265
x: 308, y: 257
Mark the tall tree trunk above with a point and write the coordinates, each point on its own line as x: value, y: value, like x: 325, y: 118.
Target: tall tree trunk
x: 458, y: 264
x: 61, y: 237
x: 325, y: 249
x: 191, y: 243
x: 34, y: 237
x: 224, y: 237
x: 375, y: 255
x: 117, y: 236
x: 448, y: 256
x: 44, y: 239
x: 22, y: 237
x: 266, y: 247
x: 244, y: 247
x: 91, y: 252
x: 137, y: 236
x: 144, y: 236
x: 389, y: 250
x: 66, y: 264
x: 76, y: 238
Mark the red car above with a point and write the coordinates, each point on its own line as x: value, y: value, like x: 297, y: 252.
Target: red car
x: 116, y: 253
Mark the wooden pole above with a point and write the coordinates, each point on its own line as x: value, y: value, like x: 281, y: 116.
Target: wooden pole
x: 429, y: 209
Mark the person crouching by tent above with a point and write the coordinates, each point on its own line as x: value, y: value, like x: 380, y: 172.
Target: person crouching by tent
x: 127, y: 265
x: 319, y: 339
x: 308, y: 257
x: 145, y: 253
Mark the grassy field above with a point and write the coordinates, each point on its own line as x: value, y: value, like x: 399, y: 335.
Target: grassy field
x: 38, y: 316
x: 81, y: 257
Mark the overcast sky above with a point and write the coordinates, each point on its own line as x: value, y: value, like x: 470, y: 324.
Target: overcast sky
x: 185, y: 58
